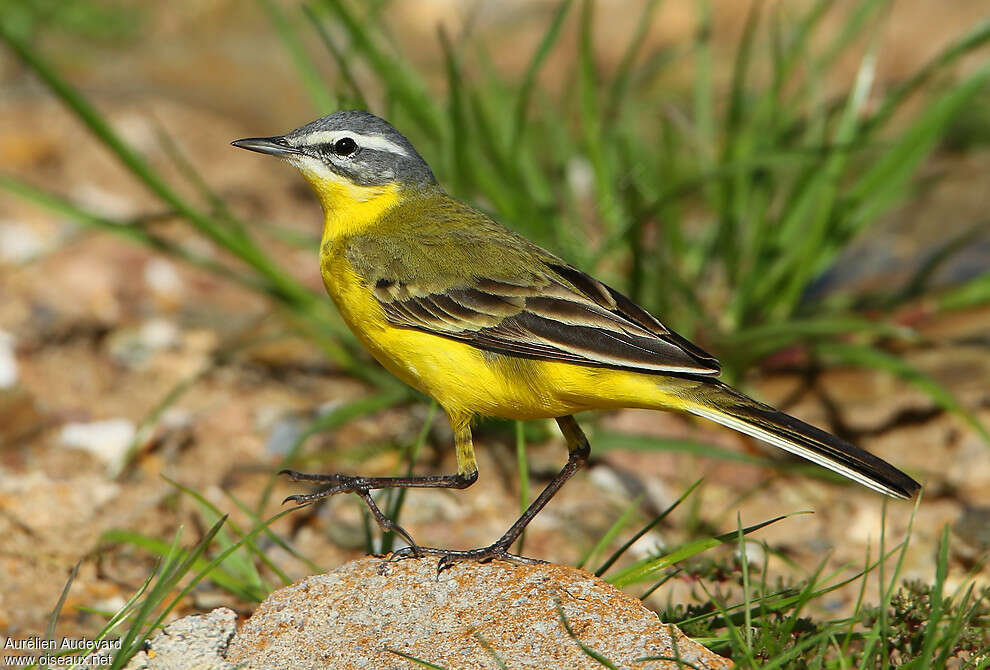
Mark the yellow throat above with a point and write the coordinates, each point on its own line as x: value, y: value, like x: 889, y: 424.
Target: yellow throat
x: 349, y: 208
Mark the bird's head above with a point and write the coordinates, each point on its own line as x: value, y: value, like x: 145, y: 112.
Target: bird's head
x: 350, y: 158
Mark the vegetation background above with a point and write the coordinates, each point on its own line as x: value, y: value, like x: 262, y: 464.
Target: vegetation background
x: 800, y: 187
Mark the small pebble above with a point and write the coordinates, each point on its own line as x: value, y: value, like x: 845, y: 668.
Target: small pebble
x: 580, y: 177
x: 162, y: 278
x: 18, y: 242
x: 8, y: 361
x: 284, y: 435
x: 108, y: 440
x: 134, y: 347
x: 103, y: 202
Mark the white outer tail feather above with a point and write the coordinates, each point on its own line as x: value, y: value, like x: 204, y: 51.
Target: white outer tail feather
x: 787, y: 445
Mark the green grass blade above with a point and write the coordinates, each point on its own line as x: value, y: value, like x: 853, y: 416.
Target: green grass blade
x: 125, y: 611
x: 660, y: 582
x: 879, y: 187
x: 739, y: 87
x: 175, y: 564
x: 418, y: 661
x: 241, y: 564
x: 533, y: 69
x: 824, y: 192
x: 617, y: 526
x: 646, y: 568
x: 742, y: 134
x: 159, y: 547
x: 460, y: 160
x: 785, y: 600
x: 522, y: 463
x: 747, y: 593
x: 930, y: 635
x: 342, y: 63
x: 592, y: 129
x: 918, y: 283
x: 610, y: 561
x: 402, y: 82
x: 704, y: 87
x: 131, y: 231
x: 749, y: 345
x: 808, y: 217
x: 976, y: 38
x: 588, y: 651
x: 148, y: 422
x: 972, y: 293
x: 872, y: 358
x: 282, y: 285
x: 191, y: 559
x: 323, y: 101
x: 275, y: 539
x: 491, y: 651
x: 852, y: 26
x: 395, y: 503
x: 606, y: 440
x: 619, y: 89
x: 218, y: 205
x: 53, y: 618
x: 335, y: 417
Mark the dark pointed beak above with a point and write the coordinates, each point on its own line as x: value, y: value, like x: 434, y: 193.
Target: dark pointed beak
x: 273, y: 146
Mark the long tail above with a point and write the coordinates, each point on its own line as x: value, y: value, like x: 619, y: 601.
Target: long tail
x: 727, y: 406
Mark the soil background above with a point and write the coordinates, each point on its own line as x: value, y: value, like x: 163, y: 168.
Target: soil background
x: 97, y: 331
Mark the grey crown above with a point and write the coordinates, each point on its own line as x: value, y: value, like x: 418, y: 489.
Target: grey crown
x: 369, y: 166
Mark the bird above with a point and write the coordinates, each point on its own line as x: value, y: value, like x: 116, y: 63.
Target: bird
x: 488, y: 323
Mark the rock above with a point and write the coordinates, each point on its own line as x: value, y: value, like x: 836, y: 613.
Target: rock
x: 470, y: 616
x: 20, y: 416
x: 135, y: 347
x: 104, y: 202
x: 162, y: 277
x: 108, y: 440
x: 197, y: 642
x: 19, y: 243
x: 8, y: 361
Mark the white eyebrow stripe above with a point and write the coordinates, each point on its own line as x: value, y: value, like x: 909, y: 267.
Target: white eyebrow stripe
x: 331, y: 136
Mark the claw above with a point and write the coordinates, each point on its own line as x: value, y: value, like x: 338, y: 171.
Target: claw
x: 404, y: 553
x: 444, y: 563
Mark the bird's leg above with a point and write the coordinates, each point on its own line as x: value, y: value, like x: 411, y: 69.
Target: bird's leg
x: 578, y: 451
x: 387, y: 525
x: 467, y: 474
x: 354, y: 484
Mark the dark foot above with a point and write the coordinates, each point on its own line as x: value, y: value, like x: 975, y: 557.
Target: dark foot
x: 337, y: 484
x: 449, y: 557
x: 348, y: 484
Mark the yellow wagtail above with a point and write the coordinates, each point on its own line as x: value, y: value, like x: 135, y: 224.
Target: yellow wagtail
x: 486, y: 322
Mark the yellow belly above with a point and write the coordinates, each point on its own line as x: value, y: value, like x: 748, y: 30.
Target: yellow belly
x: 467, y: 380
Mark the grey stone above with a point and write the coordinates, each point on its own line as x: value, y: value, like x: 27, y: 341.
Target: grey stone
x: 197, y: 642
x: 468, y: 616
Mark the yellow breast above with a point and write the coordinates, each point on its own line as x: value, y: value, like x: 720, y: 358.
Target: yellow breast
x: 462, y: 378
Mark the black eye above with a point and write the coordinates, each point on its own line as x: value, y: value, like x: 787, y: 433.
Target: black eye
x: 345, y: 146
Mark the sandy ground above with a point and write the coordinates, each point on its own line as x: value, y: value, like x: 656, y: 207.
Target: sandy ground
x: 97, y: 331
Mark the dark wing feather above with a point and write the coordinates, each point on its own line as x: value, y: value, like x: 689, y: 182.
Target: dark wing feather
x: 518, y: 299
x: 566, y: 316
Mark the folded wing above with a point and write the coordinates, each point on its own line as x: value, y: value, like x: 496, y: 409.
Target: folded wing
x: 559, y: 313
